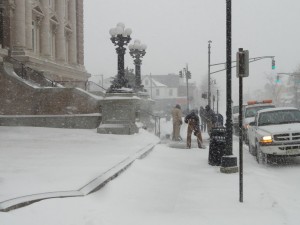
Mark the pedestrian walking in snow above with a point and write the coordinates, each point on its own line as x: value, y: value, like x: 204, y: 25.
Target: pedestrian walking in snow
x: 203, y: 119
x: 192, y: 119
x: 177, y: 122
x: 211, y: 118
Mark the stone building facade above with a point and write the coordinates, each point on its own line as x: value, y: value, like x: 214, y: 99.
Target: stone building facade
x: 46, y: 35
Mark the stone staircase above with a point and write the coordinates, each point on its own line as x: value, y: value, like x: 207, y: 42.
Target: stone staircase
x: 28, y: 98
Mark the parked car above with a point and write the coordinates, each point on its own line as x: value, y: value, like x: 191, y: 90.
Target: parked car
x: 274, y: 133
x: 235, y: 118
x: 250, y: 111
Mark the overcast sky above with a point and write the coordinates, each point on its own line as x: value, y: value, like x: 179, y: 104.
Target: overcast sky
x: 177, y: 32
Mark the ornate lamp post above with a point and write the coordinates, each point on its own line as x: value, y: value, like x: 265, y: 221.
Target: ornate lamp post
x: 120, y: 37
x: 137, y: 51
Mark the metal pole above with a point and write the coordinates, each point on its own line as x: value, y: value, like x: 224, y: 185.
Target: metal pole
x: 151, y: 85
x: 228, y: 150
x: 217, y: 101
x: 159, y: 127
x: 187, y: 88
x: 208, y: 97
x: 121, y: 72
x: 296, y: 93
x: 241, y: 136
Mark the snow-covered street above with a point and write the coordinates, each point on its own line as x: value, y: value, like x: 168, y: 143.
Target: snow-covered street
x: 169, y: 186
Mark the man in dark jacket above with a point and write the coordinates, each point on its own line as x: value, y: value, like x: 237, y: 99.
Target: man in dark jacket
x: 211, y: 118
x: 192, y: 119
x: 203, y: 119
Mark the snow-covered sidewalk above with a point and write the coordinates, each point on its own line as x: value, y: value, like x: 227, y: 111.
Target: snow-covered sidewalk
x: 170, y: 186
x: 40, y: 160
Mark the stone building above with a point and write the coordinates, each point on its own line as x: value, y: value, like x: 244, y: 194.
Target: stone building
x: 45, y: 35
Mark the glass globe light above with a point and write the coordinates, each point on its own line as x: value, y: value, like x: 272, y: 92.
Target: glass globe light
x: 119, y: 30
x: 121, y: 25
x: 137, y: 42
x: 143, y: 47
x: 112, y: 32
x: 127, y: 31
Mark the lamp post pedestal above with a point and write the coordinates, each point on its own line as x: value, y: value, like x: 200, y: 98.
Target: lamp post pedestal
x: 119, y: 114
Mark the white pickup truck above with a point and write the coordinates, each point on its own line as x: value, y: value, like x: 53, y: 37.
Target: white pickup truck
x: 275, y: 133
x: 249, y: 113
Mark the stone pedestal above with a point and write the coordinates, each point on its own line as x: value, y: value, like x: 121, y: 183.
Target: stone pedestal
x: 119, y: 114
x: 145, y: 109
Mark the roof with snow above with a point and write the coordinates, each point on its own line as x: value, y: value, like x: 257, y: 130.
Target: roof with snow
x: 170, y: 80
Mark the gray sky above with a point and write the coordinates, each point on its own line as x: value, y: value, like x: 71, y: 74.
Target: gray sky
x: 177, y: 32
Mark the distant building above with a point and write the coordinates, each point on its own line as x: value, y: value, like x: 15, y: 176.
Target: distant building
x: 46, y: 35
x: 168, y: 90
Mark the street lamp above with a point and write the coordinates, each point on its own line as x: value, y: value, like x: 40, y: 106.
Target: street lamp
x: 137, y: 51
x: 120, y: 37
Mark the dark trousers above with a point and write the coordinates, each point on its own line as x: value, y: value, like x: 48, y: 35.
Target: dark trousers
x: 193, y: 127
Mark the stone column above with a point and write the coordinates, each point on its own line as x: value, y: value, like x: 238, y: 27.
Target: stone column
x: 45, y: 29
x: 19, y: 25
x: 73, y: 38
x: 60, y: 35
x: 28, y: 22
x: 80, y: 47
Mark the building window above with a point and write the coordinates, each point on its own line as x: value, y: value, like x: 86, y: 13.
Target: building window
x: 67, y: 10
x: 157, y: 92
x: 170, y: 92
x: 67, y: 49
x: 52, y: 4
x: 52, y: 43
x: 35, y: 37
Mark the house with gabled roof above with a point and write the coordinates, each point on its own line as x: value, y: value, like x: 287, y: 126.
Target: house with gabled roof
x: 167, y: 91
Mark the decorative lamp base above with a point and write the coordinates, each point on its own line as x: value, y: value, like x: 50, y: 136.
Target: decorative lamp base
x: 119, y: 114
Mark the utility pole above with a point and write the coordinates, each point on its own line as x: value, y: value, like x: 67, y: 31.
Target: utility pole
x: 209, y: 94
x: 217, y: 101
x: 151, y: 85
x: 187, y: 87
x: 185, y: 72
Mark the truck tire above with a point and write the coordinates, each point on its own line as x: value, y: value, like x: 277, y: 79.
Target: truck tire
x: 261, y: 157
x: 252, y: 150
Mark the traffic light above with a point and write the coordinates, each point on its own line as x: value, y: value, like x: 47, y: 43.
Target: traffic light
x: 277, y: 81
x: 180, y: 73
x: 188, y: 75
x: 242, y: 63
x: 273, y: 64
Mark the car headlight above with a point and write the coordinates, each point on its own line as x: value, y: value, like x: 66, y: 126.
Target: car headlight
x: 266, y: 139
